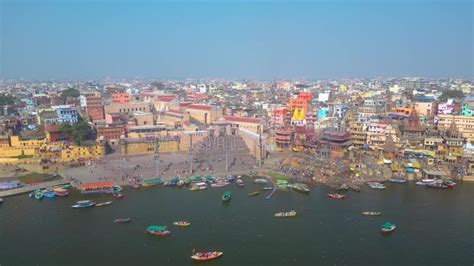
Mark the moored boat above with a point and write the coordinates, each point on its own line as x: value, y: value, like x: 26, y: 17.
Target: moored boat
x: 159, y: 230
x: 62, y: 193
x: 300, y: 187
x: 1, y: 201
x: 203, y: 256
x: 134, y: 185
x: 103, y: 203
x: 398, y: 180
x: 260, y: 181
x: 49, y: 194
x: 371, y: 213
x: 240, y: 183
x: 220, y: 184
x: 118, y: 195
x: 437, y: 185
x: 226, y: 196
x: 83, y: 204
x: 376, y: 185
x: 182, y: 223
x: 426, y: 180
x: 38, y: 194
x: 267, y: 188
x: 255, y: 193
x: 291, y: 213
x: 122, y: 220
x: 419, y: 183
x: 336, y: 196
x: 388, y: 227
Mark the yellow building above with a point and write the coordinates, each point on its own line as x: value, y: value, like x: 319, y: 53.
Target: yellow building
x: 148, y: 145
x: 72, y: 152
x: 465, y: 124
x: 16, y: 147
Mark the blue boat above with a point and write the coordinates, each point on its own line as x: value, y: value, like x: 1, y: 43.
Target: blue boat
x: 38, y: 194
x: 49, y: 194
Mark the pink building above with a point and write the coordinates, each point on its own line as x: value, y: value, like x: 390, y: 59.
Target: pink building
x: 120, y: 98
x: 278, y: 117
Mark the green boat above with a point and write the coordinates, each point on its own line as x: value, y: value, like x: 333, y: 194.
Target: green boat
x: 388, y: 227
x: 196, y: 179
x: 187, y: 181
x: 226, y: 196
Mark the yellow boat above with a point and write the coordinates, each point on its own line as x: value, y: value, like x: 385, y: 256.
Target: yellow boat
x: 295, y: 149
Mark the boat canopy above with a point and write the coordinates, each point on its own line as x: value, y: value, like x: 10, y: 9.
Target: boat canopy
x: 196, y: 178
x: 156, y: 228
x: 227, y: 193
x: 387, y: 225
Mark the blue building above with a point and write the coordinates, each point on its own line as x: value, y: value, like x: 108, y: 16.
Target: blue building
x: 66, y: 114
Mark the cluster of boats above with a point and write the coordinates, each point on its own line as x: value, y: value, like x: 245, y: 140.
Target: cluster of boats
x: 50, y: 193
x: 438, y: 184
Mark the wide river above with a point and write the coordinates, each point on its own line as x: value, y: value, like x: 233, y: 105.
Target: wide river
x: 434, y: 227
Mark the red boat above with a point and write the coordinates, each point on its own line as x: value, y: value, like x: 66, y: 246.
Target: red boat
x: 336, y: 196
x: 62, y: 194
x: 203, y: 256
x: 118, y: 196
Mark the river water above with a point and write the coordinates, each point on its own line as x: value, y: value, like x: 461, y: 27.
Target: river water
x: 434, y: 227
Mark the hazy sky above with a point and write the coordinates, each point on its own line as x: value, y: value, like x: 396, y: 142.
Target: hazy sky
x: 45, y: 39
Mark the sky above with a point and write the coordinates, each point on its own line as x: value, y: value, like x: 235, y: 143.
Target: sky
x: 72, y: 39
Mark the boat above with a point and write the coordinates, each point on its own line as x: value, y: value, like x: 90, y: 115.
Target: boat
x: 376, y: 185
x: 388, y: 227
x: 158, y: 230
x: 269, y: 196
x: 134, y: 185
x: 260, y: 181
x: 31, y: 194
x: 103, y: 203
x: 450, y: 183
x: 49, y: 194
x: 180, y: 183
x: 198, y: 186
x: 419, y: 183
x: 1, y: 201
x: 203, y: 256
x: 398, y: 180
x: 300, y: 187
x: 226, y: 196
x: 295, y: 149
x: 182, y: 223
x: 291, y: 213
x: 230, y: 178
x: 220, y: 184
x: 151, y: 182
x: 118, y: 195
x: 117, y: 188
x: 240, y: 183
x: 62, y: 193
x: 267, y: 188
x: 336, y: 196
x: 371, y: 213
x: 428, y: 180
x: 38, y: 194
x: 83, y: 204
x: 122, y: 220
x: 437, y: 185
x: 255, y: 193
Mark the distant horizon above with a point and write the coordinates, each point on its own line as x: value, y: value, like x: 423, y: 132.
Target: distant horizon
x: 235, y: 40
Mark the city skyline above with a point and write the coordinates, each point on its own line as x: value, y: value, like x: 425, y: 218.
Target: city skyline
x: 236, y: 40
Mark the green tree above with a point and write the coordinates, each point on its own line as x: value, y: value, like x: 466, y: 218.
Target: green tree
x: 6, y: 99
x: 451, y: 94
x: 66, y: 129
x: 69, y: 93
x: 81, y: 132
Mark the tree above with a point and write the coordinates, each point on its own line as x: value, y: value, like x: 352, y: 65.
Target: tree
x: 66, y: 130
x: 81, y: 132
x: 69, y: 93
x: 6, y: 99
x: 451, y: 94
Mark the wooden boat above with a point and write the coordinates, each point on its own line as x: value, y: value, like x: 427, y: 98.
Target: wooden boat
x: 226, y: 196
x: 1, y: 201
x: 103, y: 204
x: 291, y: 213
x: 182, y: 223
x: 220, y: 184
x: 203, y: 256
x: 158, y: 230
x: 118, y: 195
x: 376, y: 185
x: 300, y: 187
x: 419, y: 183
x: 336, y: 196
x: 295, y: 149
x: 267, y: 188
x: 122, y: 220
x: 151, y: 182
x: 180, y: 183
x: 371, y: 213
x: 134, y: 185
x: 450, y: 183
x: 437, y: 185
x: 83, y: 204
x: 260, y: 181
x: 388, y: 227
x: 428, y: 180
x: 240, y: 183
x: 64, y: 193
x: 255, y: 193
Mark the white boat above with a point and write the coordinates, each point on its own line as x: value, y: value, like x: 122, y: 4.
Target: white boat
x: 419, y: 183
x: 291, y: 213
x: 260, y: 181
x: 103, y: 204
x: 83, y: 204
x: 426, y: 181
